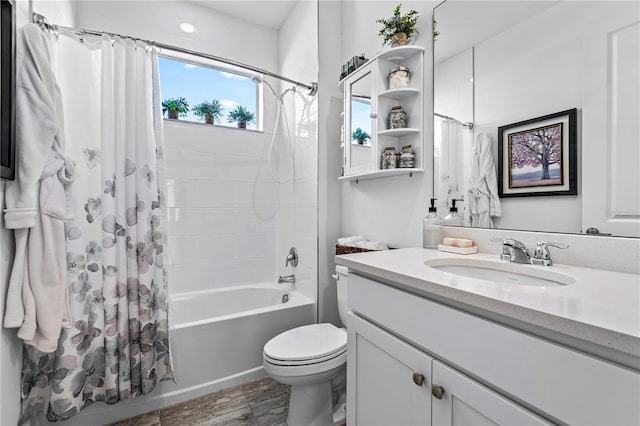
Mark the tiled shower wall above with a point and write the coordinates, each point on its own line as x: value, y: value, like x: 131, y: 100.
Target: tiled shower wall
x: 223, y: 207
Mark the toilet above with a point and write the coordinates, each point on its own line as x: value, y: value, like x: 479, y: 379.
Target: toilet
x: 312, y: 360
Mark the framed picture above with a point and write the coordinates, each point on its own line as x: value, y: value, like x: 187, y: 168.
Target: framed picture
x: 7, y: 89
x: 537, y: 157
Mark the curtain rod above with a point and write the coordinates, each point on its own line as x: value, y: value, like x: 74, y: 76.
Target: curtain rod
x: 446, y: 117
x: 44, y: 24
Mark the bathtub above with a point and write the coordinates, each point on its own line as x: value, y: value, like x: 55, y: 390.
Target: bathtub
x: 216, y: 341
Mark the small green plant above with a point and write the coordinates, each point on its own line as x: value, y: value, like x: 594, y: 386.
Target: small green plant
x: 398, y: 24
x: 360, y: 135
x: 211, y: 112
x: 242, y: 116
x: 175, y: 107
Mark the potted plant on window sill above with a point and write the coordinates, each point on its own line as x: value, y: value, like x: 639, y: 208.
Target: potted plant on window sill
x: 242, y: 116
x: 399, y: 29
x: 360, y: 136
x: 210, y: 111
x: 175, y: 107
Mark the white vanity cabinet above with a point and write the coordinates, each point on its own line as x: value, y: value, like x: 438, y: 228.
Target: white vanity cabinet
x: 368, y: 100
x: 393, y: 383
x: 476, y: 371
x: 459, y: 400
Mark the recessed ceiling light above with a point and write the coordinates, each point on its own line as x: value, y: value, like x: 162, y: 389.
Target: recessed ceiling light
x: 188, y: 28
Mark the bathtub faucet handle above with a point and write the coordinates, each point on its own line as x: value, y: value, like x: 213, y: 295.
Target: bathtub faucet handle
x: 292, y: 257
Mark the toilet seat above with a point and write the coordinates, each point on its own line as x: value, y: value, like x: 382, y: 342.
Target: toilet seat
x: 306, y: 345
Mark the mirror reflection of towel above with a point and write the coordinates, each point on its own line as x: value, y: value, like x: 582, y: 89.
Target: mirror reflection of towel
x: 482, y: 194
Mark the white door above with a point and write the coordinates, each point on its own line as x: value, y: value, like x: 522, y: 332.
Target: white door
x: 459, y: 400
x: 388, y: 381
x: 611, y: 121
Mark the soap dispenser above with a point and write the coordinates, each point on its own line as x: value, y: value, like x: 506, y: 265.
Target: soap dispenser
x: 432, y: 228
x: 453, y: 218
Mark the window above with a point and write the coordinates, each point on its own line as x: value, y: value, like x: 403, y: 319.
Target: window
x: 198, y: 83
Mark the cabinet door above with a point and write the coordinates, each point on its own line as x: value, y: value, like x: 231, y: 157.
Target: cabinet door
x: 359, y: 122
x: 388, y: 381
x: 467, y: 402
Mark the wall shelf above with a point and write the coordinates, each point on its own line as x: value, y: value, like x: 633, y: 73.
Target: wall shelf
x: 399, y: 54
x: 371, y: 83
x: 380, y: 174
x: 399, y: 94
x: 398, y: 132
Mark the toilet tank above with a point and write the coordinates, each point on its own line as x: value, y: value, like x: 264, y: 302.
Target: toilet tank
x: 342, y: 273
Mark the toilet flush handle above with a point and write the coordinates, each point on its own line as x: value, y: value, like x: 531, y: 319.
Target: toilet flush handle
x: 335, y: 277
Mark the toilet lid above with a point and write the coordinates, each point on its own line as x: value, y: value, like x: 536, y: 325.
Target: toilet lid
x: 307, y: 342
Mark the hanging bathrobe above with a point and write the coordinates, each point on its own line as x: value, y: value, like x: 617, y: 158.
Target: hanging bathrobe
x: 38, y: 201
x: 482, y: 196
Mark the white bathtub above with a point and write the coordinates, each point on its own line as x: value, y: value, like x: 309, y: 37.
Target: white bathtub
x: 217, y: 338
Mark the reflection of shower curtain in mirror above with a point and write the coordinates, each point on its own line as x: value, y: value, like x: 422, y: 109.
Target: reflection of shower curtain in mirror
x: 452, y: 151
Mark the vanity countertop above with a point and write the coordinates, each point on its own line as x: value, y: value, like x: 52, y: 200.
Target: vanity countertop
x: 601, y: 307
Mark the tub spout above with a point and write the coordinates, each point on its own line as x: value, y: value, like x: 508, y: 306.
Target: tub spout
x: 287, y: 279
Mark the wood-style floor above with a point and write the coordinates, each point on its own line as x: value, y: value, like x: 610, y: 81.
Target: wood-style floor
x: 261, y: 403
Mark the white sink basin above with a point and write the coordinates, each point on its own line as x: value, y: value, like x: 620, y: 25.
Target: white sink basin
x: 501, y: 271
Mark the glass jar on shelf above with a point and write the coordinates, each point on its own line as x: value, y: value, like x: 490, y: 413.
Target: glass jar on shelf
x: 407, y: 157
x: 389, y: 158
x: 399, y: 77
x: 397, y: 118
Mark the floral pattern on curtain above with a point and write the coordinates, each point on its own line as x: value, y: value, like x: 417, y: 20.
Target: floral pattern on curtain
x: 118, y: 346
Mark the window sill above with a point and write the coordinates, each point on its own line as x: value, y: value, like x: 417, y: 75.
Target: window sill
x: 212, y: 126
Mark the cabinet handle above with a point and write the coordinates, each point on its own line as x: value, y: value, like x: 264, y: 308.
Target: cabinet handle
x: 418, y: 379
x: 437, y: 391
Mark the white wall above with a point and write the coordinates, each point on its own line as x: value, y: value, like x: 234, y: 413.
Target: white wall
x: 329, y: 154
x: 62, y: 12
x: 298, y: 216
x: 218, y: 34
x: 389, y: 209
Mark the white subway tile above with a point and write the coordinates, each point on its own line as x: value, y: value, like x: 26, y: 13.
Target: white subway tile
x: 199, y: 193
x: 259, y: 195
x: 200, y: 249
x: 249, y: 246
x: 247, y: 220
x: 190, y: 221
x: 192, y: 277
x: 190, y: 164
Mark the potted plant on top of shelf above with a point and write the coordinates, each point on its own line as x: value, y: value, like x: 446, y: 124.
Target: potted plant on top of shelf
x: 210, y: 111
x: 242, y: 116
x: 175, y: 107
x: 360, y: 135
x: 399, y: 29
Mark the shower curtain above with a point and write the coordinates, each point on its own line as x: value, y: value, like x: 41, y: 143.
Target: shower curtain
x: 452, y: 161
x: 118, y: 346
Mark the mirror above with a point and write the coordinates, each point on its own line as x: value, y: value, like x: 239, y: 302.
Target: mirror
x: 500, y: 63
x: 360, y: 129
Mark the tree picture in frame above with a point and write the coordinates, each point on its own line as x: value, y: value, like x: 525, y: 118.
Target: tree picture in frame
x: 7, y: 89
x: 537, y: 157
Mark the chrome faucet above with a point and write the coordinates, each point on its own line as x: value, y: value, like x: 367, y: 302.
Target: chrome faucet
x: 513, y: 250
x: 542, y: 256
x: 292, y: 257
x: 287, y: 279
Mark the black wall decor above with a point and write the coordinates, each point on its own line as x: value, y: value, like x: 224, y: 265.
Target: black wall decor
x: 7, y: 89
